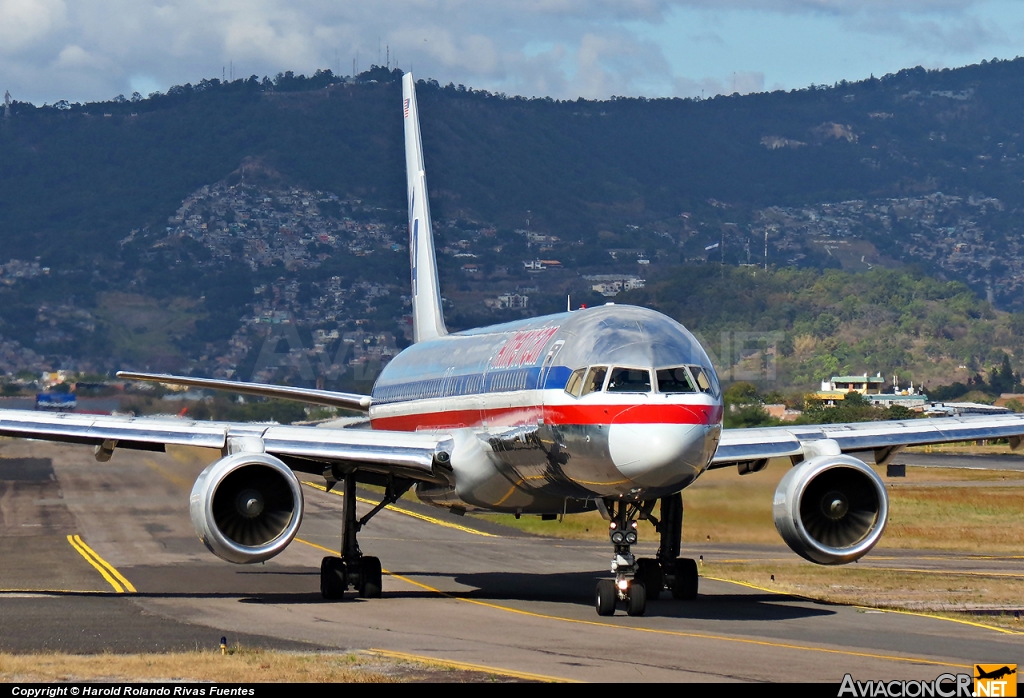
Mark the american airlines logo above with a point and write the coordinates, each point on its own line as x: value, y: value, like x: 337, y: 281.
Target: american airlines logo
x: 523, y: 348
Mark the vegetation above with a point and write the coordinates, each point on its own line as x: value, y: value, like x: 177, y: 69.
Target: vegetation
x: 91, y: 172
x: 788, y: 329
x: 598, y: 174
x: 223, y: 408
x: 239, y: 665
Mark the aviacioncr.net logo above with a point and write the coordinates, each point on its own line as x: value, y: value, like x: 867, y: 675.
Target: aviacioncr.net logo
x: 943, y: 686
x: 995, y: 680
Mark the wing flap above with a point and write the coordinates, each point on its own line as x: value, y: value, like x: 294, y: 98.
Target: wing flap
x: 128, y: 432
x: 418, y: 451
x: 417, y: 455
x: 740, y: 445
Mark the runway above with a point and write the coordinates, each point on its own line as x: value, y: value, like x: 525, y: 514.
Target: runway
x: 457, y: 590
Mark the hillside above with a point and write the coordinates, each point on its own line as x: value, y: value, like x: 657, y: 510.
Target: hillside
x: 179, y: 231
x: 791, y: 328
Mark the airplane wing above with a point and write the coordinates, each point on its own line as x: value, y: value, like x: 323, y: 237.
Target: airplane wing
x: 329, y: 398
x: 751, y: 448
x: 417, y: 456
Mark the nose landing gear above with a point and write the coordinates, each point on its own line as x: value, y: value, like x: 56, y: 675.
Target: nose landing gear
x: 637, y: 580
x: 626, y: 586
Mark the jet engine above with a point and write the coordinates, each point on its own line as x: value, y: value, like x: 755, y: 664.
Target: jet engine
x: 831, y: 509
x: 246, y: 507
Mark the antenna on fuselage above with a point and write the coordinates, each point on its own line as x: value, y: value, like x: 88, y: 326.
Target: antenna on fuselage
x: 427, y: 318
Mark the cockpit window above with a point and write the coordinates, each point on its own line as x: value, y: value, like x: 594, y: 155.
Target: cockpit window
x: 594, y: 380
x: 629, y: 380
x: 575, y: 382
x: 675, y: 380
x: 705, y: 380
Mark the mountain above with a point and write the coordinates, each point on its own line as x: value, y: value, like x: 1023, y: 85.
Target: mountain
x: 919, y: 169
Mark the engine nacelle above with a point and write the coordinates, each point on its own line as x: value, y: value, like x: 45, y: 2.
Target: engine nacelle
x: 831, y: 509
x: 246, y: 507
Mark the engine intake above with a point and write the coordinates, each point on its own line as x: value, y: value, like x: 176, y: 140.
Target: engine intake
x: 831, y: 509
x: 246, y: 507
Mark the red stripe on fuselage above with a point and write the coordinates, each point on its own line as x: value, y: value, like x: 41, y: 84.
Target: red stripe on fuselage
x: 554, y: 415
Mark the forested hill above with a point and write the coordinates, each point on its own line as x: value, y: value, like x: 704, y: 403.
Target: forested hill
x: 74, y: 179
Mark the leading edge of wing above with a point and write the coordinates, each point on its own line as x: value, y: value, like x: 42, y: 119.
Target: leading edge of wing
x: 413, y: 454
x: 329, y: 398
x: 754, y: 443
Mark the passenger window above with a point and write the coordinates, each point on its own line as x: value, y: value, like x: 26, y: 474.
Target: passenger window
x: 629, y: 380
x: 595, y: 380
x: 675, y: 380
x: 575, y: 382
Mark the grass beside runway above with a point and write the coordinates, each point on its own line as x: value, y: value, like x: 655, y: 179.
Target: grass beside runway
x: 901, y: 585
x: 930, y: 509
x: 941, y: 509
x: 241, y: 665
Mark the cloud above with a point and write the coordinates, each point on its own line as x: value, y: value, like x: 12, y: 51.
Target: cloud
x: 95, y: 49
x: 954, y: 35
x: 24, y: 22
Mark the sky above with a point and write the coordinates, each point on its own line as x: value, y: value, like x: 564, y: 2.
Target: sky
x: 89, y: 50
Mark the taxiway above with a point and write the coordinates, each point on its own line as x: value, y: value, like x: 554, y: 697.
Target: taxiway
x: 457, y: 590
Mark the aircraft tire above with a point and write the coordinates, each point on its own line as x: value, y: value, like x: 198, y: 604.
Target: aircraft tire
x: 333, y: 578
x: 370, y: 586
x: 648, y: 572
x: 605, y: 597
x: 636, y: 601
x: 684, y: 585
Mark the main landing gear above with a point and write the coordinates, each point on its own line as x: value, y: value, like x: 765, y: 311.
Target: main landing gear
x: 353, y: 570
x: 636, y: 581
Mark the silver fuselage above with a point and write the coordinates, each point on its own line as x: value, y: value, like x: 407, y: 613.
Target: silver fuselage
x: 527, y: 444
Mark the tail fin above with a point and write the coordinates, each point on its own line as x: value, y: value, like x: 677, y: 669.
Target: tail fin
x: 427, y: 320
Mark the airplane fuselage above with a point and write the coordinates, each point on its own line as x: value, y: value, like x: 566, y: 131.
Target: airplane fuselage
x: 602, y: 402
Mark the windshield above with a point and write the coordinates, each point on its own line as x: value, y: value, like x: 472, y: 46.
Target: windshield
x: 675, y: 380
x: 705, y: 380
x: 595, y: 379
x: 629, y: 380
x: 575, y: 382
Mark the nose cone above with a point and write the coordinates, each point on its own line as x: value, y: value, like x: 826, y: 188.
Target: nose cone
x: 659, y: 454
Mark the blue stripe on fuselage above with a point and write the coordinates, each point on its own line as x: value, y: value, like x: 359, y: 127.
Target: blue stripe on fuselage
x: 472, y: 384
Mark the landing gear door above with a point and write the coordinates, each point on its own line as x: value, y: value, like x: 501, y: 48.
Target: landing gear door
x: 545, y: 368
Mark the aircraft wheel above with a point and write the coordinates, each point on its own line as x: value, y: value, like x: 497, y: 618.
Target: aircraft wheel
x: 684, y: 586
x: 370, y: 578
x: 333, y: 578
x: 636, y: 601
x: 605, y: 597
x: 648, y: 572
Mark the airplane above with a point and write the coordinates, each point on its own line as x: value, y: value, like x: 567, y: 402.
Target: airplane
x: 612, y: 408
x: 995, y: 674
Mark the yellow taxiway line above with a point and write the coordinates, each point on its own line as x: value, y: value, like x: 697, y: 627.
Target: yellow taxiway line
x: 108, y: 571
x: 868, y: 608
x: 658, y: 631
x: 407, y: 512
x: 468, y: 667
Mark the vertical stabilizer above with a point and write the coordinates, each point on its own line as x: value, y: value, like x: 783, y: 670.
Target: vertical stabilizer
x: 427, y: 320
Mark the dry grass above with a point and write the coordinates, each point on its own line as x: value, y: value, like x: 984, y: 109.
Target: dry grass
x: 941, y: 592
x: 238, y: 666
x: 980, y: 511
x: 931, y: 508
x: 966, y: 448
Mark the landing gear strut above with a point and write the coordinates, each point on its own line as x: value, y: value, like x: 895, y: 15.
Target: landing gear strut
x: 636, y: 581
x: 353, y: 570
x: 626, y: 586
x: 679, y: 574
